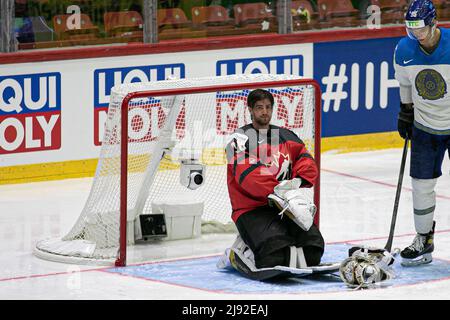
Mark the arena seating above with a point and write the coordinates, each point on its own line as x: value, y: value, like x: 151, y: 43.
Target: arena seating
x: 338, y: 14
x: 87, y: 30
x: 254, y: 17
x: 304, y: 17
x: 392, y: 11
x: 123, y: 24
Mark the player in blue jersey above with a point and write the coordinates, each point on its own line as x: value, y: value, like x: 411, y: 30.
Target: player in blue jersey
x: 422, y: 67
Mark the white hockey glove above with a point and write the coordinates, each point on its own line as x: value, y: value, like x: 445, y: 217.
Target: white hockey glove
x: 238, y: 141
x: 291, y: 200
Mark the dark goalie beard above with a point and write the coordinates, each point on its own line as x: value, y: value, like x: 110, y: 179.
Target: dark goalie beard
x: 262, y: 122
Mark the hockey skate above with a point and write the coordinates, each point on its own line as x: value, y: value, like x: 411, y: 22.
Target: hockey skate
x: 419, y: 252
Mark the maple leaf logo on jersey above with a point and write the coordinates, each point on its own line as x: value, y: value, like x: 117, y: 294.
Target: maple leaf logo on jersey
x: 280, y: 165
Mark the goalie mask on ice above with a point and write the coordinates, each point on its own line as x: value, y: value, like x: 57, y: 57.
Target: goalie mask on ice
x: 291, y: 200
x: 366, y: 267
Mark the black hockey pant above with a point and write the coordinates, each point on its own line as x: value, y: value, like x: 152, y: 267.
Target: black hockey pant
x: 270, y: 237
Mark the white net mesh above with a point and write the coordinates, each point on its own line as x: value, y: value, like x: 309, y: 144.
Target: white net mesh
x: 191, y: 126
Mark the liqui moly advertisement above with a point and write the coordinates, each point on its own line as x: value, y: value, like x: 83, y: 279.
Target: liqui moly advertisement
x: 30, y: 112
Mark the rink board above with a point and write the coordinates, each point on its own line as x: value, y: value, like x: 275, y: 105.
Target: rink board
x: 202, y: 274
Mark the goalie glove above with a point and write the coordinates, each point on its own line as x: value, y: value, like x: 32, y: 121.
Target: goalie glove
x: 290, y: 199
x: 237, y: 141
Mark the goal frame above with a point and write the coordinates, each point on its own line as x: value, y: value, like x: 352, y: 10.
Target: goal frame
x: 121, y: 259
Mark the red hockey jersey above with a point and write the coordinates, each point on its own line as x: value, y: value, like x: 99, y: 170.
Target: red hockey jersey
x: 259, y: 159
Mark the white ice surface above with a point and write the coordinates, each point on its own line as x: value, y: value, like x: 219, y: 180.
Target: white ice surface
x: 358, y: 191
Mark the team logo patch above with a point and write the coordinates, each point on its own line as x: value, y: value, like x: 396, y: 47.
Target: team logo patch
x: 280, y: 165
x: 431, y: 85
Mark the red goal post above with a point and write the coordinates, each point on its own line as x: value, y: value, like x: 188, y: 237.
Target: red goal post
x: 121, y: 259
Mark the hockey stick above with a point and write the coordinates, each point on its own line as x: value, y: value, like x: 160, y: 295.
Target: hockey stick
x: 376, y: 257
x: 388, y: 245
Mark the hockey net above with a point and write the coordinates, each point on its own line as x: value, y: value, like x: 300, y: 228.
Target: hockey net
x: 193, y: 118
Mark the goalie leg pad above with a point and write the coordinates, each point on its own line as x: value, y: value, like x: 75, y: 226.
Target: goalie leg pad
x: 313, y: 255
x: 297, y: 258
x: 270, y: 259
x: 238, y: 246
x: 246, y: 267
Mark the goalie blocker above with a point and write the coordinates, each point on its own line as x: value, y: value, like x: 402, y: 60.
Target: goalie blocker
x: 290, y: 199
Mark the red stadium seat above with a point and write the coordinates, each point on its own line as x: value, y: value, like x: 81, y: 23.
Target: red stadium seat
x: 441, y: 3
x: 304, y: 17
x: 173, y: 19
x: 340, y: 13
x: 254, y: 16
x: 87, y: 30
x: 391, y: 4
x: 211, y: 15
x: 173, y: 24
x: 443, y: 9
x: 123, y: 24
x: 214, y: 20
